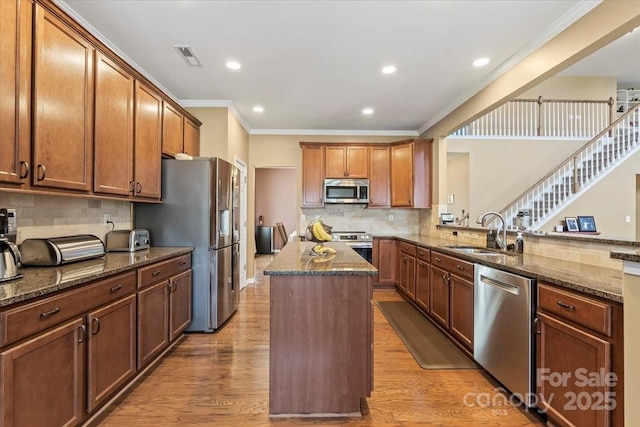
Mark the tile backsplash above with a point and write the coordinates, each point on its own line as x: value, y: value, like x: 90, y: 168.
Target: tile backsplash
x: 54, y: 216
x: 362, y: 218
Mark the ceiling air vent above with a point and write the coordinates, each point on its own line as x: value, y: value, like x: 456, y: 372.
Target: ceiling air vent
x: 189, y: 57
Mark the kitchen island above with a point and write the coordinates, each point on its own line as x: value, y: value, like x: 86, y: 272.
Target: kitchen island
x: 321, y: 331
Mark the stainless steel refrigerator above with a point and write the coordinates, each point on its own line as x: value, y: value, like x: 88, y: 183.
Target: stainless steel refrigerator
x: 201, y: 209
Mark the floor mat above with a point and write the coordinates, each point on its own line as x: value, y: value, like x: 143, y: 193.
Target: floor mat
x: 430, y: 348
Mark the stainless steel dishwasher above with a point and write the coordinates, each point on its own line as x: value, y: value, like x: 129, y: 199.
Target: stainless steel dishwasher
x: 504, y: 344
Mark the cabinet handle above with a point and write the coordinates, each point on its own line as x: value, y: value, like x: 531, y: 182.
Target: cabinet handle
x: 438, y: 259
x: 174, y: 286
x: 83, y: 333
x: 50, y: 313
x: 459, y: 267
x: 183, y: 263
x: 169, y: 288
x: 565, y: 305
x: 155, y: 273
x: 132, y: 187
x: 420, y: 253
x: 115, y: 288
x: 536, y: 322
x: 95, y: 326
x: 42, y: 172
x: 24, y: 166
x: 444, y: 279
x: 138, y: 188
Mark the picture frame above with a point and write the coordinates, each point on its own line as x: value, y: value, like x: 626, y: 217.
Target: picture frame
x: 572, y: 223
x: 586, y: 223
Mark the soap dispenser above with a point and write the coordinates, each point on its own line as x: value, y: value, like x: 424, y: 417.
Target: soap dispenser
x: 519, y: 243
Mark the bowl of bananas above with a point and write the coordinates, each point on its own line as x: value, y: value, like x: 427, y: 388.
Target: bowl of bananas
x: 319, y: 232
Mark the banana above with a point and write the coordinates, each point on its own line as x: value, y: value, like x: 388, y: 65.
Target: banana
x: 320, y: 233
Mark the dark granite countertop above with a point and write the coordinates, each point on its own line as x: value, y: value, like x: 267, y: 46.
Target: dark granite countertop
x: 590, y: 279
x: 295, y: 259
x: 626, y: 255
x: 40, y: 281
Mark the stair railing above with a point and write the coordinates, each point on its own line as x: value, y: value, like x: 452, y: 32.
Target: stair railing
x: 580, y: 170
x: 543, y: 117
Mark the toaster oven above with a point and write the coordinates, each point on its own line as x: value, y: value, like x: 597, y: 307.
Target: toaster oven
x: 128, y: 240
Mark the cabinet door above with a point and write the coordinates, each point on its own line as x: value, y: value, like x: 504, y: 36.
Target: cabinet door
x: 112, y: 349
x: 335, y: 166
x: 179, y: 304
x: 357, y: 162
x: 113, y: 128
x: 15, y: 87
x: 312, y: 176
x: 440, y: 282
x: 564, y: 350
x: 191, y: 138
x: 148, y: 142
x: 461, y: 326
x: 153, y: 321
x: 409, y: 275
x: 43, y: 379
x: 423, y: 281
x: 379, y: 178
x: 402, y: 175
x: 172, y: 131
x: 384, y: 259
x: 63, y: 105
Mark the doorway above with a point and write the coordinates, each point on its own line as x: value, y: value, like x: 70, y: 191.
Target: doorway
x: 275, y: 199
x: 242, y: 167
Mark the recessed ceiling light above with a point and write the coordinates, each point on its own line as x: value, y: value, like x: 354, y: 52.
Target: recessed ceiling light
x: 367, y: 111
x: 258, y: 109
x: 233, y: 65
x: 480, y: 62
x: 389, y: 69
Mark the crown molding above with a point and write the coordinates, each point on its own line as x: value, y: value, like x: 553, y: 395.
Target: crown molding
x: 561, y: 24
x: 334, y: 132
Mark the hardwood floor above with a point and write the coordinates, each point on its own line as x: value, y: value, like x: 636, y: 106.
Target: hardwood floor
x: 221, y: 379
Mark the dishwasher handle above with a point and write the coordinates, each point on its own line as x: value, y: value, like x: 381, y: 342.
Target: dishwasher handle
x: 504, y: 286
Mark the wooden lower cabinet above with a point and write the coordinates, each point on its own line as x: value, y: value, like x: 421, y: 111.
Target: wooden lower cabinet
x: 384, y: 259
x: 440, y: 289
x: 153, y: 321
x: 43, y: 379
x: 407, y: 281
x: 179, y: 304
x: 461, y: 316
x: 423, y: 286
x: 112, y: 349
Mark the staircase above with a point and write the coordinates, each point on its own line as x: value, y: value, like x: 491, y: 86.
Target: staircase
x: 577, y: 173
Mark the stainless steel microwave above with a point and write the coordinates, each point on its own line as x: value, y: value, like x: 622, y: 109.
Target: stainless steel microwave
x: 346, y: 191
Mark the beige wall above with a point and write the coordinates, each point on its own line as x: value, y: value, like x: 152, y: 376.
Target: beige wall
x: 54, y: 216
x: 574, y: 87
x: 238, y: 140
x: 276, y: 199
x: 458, y: 184
x: 214, y: 130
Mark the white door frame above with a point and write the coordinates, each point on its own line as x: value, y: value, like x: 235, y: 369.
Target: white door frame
x: 242, y: 167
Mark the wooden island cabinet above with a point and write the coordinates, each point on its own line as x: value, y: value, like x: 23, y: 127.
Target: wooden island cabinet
x: 62, y: 357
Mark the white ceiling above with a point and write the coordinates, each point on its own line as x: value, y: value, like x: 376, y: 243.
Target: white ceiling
x: 314, y: 65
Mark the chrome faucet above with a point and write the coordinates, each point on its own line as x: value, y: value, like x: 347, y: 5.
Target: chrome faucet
x: 501, y: 242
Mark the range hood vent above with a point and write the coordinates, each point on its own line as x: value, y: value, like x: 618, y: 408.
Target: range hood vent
x: 189, y: 57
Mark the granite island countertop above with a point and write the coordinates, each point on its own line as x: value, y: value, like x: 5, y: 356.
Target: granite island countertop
x: 40, y: 281
x: 296, y: 259
x: 590, y: 279
x: 626, y: 255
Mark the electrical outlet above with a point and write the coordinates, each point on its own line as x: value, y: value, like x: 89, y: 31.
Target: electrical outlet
x: 451, y: 199
x: 390, y: 217
x: 303, y: 217
x: 628, y: 218
x: 106, y: 218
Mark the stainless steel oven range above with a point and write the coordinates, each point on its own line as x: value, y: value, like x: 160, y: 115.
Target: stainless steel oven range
x: 360, y: 241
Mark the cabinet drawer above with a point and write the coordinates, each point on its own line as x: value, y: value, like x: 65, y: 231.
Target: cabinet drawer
x: 423, y: 254
x: 453, y: 265
x: 580, y: 309
x: 20, y: 322
x: 162, y: 270
x: 407, y: 248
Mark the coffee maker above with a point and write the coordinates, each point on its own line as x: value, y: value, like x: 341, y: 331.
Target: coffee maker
x: 9, y: 253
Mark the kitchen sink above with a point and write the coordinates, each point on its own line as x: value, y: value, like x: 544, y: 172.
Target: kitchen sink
x: 476, y: 250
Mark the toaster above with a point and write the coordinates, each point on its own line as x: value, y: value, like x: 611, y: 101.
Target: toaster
x: 128, y: 240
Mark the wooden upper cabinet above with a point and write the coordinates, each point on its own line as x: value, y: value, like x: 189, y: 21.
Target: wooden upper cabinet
x: 172, y: 130
x: 379, y: 181
x: 63, y: 105
x: 191, y: 138
x: 147, y: 142
x: 411, y: 169
x: 15, y: 87
x: 113, y: 128
x: 312, y: 175
x: 346, y: 161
